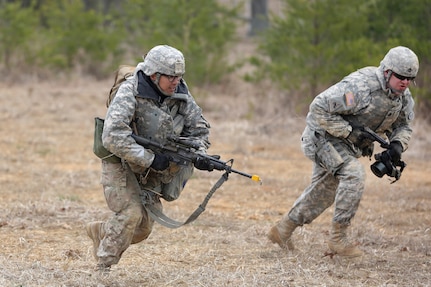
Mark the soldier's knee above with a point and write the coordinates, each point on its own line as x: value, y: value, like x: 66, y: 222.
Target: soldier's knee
x: 353, y: 170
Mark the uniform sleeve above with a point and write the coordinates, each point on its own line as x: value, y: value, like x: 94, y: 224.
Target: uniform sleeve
x: 329, y: 107
x: 196, y: 127
x: 401, y: 128
x: 117, y: 132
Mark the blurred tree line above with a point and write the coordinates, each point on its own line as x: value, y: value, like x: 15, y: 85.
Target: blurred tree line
x: 303, y: 49
x: 312, y: 44
x: 98, y: 35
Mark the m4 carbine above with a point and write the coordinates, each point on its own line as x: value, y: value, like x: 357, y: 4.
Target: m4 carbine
x: 183, y: 151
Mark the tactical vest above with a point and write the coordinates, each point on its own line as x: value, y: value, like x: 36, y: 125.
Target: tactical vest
x: 384, y: 113
x: 156, y: 120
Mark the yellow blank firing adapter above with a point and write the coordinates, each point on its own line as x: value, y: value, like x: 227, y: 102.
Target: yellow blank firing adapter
x: 256, y: 178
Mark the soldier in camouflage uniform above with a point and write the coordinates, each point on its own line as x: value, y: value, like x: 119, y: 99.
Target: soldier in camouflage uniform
x: 374, y: 97
x: 154, y: 103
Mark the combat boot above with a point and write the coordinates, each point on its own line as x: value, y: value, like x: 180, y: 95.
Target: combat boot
x: 281, y: 234
x: 96, y: 232
x: 339, y: 244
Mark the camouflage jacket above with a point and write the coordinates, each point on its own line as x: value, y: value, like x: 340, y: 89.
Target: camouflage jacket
x: 362, y: 99
x: 155, y: 119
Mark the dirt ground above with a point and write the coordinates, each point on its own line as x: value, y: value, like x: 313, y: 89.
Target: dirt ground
x: 49, y: 186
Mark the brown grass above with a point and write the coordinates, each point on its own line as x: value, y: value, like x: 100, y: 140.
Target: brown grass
x: 49, y: 185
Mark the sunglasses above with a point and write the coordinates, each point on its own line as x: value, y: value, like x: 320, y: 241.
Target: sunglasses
x: 402, y: 78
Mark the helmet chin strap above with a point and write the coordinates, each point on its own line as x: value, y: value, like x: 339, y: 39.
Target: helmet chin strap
x: 156, y: 82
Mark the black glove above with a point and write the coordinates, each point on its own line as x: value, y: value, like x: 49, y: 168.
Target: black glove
x: 385, y: 158
x: 160, y: 162
x: 205, y: 163
x: 395, y: 150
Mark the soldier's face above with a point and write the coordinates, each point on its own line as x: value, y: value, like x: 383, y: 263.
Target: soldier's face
x: 168, y: 84
x: 398, y: 83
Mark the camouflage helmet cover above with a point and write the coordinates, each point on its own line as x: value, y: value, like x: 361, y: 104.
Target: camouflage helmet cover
x: 165, y: 60
x: 402, y: 61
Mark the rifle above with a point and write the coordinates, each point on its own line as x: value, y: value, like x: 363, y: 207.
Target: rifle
x: 384, y: 164
x: 374, y: 136
x: 183, y: 152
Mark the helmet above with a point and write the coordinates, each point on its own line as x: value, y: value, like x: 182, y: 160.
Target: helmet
x: 402, y: 61
x: 165, y: 60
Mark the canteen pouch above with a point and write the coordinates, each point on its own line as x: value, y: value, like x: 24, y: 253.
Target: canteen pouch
x: 98, y: 149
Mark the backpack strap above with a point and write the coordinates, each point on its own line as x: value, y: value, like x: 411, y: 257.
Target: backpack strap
x: 123, y: 72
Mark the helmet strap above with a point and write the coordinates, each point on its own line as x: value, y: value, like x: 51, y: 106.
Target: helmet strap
x: 388, y: 76
x: 156, y: 82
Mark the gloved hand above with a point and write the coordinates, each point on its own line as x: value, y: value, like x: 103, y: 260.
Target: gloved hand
x: 395, y: 150
x: 385, y: 158
x: 204, y: 163
x: 160, y: 162
x: 356, y: 136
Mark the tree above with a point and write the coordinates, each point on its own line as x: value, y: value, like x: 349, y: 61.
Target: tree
x: 16, y: 33
x: 202, y: 30
x: 259, y: 16
x: 74, y: 35
x: 314, y: 44
x: 392, y: 24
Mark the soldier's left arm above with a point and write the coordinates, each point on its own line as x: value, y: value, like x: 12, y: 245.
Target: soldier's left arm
x: 196, y: 127
x: 401, y: 128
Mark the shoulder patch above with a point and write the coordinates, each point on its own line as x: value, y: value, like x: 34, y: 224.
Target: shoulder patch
x: 349, y: 98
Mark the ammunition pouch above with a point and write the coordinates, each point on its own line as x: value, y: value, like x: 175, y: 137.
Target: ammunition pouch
x: 98, y: 149
x: 327, y: 155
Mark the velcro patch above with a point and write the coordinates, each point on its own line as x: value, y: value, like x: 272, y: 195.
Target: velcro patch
x: 179, y: 68
x: 411, y: 116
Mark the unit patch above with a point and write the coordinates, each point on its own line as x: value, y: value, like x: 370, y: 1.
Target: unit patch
x: 411, y: 116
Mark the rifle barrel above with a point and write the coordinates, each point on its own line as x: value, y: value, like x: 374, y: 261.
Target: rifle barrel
x: 252, y: 177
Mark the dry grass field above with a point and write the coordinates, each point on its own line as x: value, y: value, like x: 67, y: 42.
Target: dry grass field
x: 49, y: 187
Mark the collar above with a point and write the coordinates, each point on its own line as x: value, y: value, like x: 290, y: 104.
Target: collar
x: 148, y: 90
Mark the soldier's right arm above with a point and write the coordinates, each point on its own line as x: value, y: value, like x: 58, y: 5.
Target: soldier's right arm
x: 117, y: 133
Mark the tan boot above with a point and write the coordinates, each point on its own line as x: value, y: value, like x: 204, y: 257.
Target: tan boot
x: 339, y: 244
x: 281, y: 234
x: 96, y: 232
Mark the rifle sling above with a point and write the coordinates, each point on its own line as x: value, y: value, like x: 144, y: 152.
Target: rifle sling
x: 162, y: 219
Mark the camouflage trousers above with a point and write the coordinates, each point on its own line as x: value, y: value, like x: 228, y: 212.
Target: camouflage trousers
x: 344, y: 187
x: 130, y: 222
